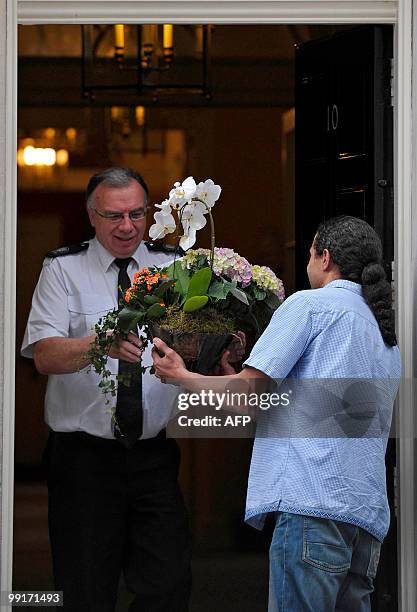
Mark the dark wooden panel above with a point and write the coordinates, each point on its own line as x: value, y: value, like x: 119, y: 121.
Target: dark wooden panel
x: 344, y: 123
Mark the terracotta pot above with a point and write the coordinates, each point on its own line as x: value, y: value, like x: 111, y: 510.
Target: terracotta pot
x: 200, y: 351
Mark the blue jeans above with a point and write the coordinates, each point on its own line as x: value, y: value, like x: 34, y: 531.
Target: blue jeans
x: 320, y: 565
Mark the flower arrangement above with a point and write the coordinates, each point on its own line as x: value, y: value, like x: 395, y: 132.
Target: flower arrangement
x: 191, y: 202
x: 207, y: 291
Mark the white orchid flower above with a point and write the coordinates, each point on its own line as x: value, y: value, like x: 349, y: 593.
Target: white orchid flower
x: 182, y: 193
x: 209, y: 193
x: 187, y: 240
x: 192, y: 219
x: 191, y: 202
x: 165, y: 224
x: 165, y: 207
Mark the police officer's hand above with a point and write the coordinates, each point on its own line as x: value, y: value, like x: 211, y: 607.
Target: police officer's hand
x: 128, y: 350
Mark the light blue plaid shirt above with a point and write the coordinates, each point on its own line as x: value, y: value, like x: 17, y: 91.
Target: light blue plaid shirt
x: 328, y: 333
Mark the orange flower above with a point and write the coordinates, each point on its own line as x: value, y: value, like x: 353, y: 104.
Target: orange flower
x: 128, y: 294
x: 147, y: 279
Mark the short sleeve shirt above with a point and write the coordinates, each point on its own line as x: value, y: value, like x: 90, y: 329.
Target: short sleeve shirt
x: 72, y: 293
x: 323, y: 334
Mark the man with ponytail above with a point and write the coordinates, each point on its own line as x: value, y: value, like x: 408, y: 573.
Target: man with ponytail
x: 318, y: 465
x: 356, y: 255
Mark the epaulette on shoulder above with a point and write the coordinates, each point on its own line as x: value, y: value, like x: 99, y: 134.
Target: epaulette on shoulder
x: 164, y: 248
x: 72, y: 249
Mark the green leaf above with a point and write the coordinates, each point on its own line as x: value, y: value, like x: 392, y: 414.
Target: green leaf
x: 219, y: 290
x: 272, y: 301
x: 155, y: 311
x: 182, y: 277
x: 195, y: 303
x: 199, y: 283
x: 151, y: 299
x: 163, y: 287
x: 169, y: 270
x: 259, y: 294
x: 240, y: 295
x: 137, y: 301
x: 129, y: 319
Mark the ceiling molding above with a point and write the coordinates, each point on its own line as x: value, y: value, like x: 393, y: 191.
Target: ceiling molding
x: 207, y: 11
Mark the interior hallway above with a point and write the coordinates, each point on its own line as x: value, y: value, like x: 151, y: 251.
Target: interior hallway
x: 225, y: 582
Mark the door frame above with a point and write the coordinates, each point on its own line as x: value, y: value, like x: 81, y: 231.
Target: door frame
x: 397, y: 12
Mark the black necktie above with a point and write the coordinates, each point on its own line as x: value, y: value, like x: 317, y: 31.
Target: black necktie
x: 129, y: 396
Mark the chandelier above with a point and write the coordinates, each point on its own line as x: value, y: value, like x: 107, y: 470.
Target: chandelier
x: 146, y: 61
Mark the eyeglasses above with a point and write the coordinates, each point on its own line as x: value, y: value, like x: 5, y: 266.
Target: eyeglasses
x: 115, y: 217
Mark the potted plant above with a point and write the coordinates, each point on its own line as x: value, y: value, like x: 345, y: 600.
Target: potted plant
x: 199, y: 302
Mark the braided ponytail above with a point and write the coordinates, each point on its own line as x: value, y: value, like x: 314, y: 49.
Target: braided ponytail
x: 377, y: 293
x: 356, y: 249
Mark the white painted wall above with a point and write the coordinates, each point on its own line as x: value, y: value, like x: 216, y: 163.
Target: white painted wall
x: 7, y: 275
x: 2, y: 193
x: 405, y: 270
x: 207, y: 11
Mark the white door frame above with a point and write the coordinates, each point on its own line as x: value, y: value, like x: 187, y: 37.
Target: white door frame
x: 398, y: 12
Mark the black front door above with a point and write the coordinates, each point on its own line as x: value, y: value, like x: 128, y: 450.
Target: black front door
x: 344, y: 165
x: 344, y: 134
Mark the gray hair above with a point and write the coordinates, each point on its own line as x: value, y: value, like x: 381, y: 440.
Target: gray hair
x: 114, y: 177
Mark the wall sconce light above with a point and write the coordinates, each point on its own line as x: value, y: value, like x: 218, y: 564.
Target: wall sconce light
x: 140, y: 115
x: 71, y: 135
x: 62, y: 157
x: 41, y: 156
x: 146, y: 60
x: 47, y: 147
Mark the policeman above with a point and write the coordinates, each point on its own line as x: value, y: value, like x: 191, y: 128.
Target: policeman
x: 113, y: 506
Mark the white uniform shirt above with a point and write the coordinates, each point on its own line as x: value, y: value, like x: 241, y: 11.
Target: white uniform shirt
x: 72, y: 293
